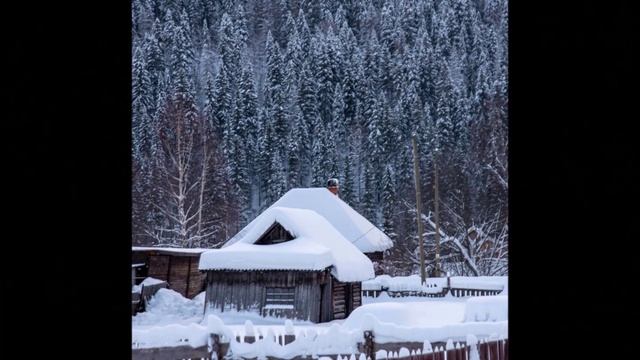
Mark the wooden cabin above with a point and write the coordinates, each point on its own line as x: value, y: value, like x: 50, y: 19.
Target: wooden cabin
x: 292, y: 263
x: 178, y: 267
x: 327, y: 203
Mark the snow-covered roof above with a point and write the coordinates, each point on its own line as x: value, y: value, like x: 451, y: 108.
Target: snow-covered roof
x: 317, y: 245
x: 169, y: 250
x: 353, y: 226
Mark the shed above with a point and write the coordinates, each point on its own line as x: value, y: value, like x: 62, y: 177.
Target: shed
x: 354, y: 227
x: 290, y: 263
x: 176, y: 266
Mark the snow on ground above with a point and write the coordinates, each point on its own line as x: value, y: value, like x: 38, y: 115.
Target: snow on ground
x: 487, y: 308
x: 172, y: 320
x: 423, y: 313
x: 169, y: 307
x: 422, y: 320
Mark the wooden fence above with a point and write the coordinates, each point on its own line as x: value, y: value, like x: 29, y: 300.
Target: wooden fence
x: 139, y: 300
x: 456, y: 292
x: 487, y: 350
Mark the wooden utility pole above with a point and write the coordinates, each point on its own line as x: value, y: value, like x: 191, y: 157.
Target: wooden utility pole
x: 437, y: 212
x: 416, y: 177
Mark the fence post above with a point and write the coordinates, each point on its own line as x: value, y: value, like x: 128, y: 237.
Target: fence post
x: 369, y: 348
x: 451, y: 354
x: 216, y: 347
x: 506, y: 349
x: 493, y: 350
x: 483, y: 351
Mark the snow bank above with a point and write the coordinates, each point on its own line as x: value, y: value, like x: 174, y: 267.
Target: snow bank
x: 408, y: 314
x: 170, y: 335
x: 487, y: 308
x: 168, y: 306
x: 172, y: 320
x: 199, y: 299
x: 420, y: 321
x: 333, y: 339
x: 316, y: 246
x: 353, y: 226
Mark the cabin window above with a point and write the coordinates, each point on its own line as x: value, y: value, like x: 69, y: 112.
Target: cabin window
x: 279, y: 298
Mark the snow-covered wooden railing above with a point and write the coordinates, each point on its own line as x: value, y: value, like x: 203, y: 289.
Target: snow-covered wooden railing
x: 382, y: 340
x: 218, y: 348
x: 492, y: 348
x: 457, y: 286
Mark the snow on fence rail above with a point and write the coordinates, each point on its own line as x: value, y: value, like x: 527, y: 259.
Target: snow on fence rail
x: 481, y: 350
x: 381, y: 340
x: 401, y: 286
x: 369, y: 349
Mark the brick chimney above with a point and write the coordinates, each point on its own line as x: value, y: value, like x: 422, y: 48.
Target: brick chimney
x: 333, y: 186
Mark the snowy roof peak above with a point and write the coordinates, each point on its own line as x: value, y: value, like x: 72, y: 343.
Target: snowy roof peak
x: 316, y: 246
x: 354, y: 227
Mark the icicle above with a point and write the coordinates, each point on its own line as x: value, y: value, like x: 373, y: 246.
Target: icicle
x: 426, y: 347
x: 404, y: 352
x: 449, y: 344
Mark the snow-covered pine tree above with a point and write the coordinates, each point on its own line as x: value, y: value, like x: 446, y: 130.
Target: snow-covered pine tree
x: 241, y: 28
x: 389, y: 199
x: 229, y: 48
x: 223, y: 101
x: 276, y: 91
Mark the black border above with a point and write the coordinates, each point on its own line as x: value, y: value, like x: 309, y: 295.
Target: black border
x: 65, y: 259
x: 66, y: 141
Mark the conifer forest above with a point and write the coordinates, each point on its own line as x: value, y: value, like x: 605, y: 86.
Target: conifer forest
x: 236, y: 102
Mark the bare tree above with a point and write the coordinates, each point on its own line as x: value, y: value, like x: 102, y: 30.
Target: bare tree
x: 184, y: 171
x: 477, y: 249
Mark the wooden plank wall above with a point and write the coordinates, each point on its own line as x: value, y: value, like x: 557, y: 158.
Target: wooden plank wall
x: 346, y: 297
x: 159, y: 267
x: 178, y: 274
x: 195, y: 278
x: 339, y: 299
x: 245, y: 291
x: 326, y: 300
x: 181, y: 272
x: 356, y: 295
